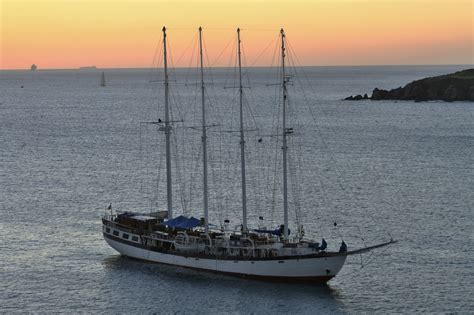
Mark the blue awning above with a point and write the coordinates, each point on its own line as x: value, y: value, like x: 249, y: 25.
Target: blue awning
x: 183, y: 222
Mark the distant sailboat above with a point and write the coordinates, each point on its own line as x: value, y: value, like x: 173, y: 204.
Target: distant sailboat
x: 102, y: 79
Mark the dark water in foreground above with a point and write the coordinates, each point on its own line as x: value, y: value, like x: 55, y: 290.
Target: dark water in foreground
x: 69, y: 147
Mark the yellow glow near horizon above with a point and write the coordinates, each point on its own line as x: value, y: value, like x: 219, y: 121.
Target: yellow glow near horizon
x: 107, y: 33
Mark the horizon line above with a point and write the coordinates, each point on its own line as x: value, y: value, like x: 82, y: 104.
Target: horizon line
x: 225, y: 67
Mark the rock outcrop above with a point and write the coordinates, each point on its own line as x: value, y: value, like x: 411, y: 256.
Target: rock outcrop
x: 357, y: 97
x: 458, y: 86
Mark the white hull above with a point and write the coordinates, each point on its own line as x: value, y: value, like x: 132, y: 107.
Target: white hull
x: 310, y: 269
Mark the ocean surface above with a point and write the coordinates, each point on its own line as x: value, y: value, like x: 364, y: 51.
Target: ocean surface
x: 383, y: 169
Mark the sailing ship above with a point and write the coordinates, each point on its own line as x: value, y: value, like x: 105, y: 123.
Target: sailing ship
x: 102, y: 79
x: 194, y: 243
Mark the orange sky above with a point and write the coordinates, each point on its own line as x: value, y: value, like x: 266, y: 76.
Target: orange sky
x: 125, y: 33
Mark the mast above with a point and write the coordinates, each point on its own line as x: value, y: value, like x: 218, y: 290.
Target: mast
x: 285, y: 147
x: 242, y: 141
x: 169, y: 192
x: 204, y: 139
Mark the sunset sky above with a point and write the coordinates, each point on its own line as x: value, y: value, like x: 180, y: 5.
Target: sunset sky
x: 115, y: 34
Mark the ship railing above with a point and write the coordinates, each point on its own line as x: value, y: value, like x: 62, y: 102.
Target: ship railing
x: 208, y: 246
x: 159, y: 236
x: 246, y: 252
x: 121, y: 227
x: 190, y: 239
x: 247, y: 248
x: 232, y: 249
x: 109, y: 217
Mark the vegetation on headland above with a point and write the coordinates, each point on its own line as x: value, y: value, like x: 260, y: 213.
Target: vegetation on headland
x: 458, y: 86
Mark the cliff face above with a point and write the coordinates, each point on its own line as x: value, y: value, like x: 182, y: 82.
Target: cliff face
x: 457, y: 86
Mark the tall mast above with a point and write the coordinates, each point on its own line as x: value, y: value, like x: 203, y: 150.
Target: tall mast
x: 242, y: 141
x: 285, y: 147
x: 204, y: 138
x: 169, y: 192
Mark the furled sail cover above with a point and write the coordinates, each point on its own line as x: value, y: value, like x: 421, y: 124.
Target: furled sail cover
x: 278, y: 232
x: 273, y: 232
x: 183, y: 222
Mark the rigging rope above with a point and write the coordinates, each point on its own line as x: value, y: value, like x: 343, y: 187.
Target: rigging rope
x: 313, y: 116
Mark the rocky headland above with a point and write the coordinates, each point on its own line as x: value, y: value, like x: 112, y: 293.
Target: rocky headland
x: 458, y: 86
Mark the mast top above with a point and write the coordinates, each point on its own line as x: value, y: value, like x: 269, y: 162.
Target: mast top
x: 282, y: 32
x: 164, y: 28
x: 200, y: 28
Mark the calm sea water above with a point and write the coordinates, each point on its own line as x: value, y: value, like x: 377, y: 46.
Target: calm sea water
x: 379, y: 169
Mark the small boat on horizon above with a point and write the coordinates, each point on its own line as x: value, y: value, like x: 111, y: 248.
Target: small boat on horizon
x: 88, y: 68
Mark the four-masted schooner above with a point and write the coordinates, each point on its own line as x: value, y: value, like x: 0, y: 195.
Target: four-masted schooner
x: 189, y: 242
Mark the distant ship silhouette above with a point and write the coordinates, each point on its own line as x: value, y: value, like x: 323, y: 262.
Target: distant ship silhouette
x: 88, y: 68
x: 33, y: 67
